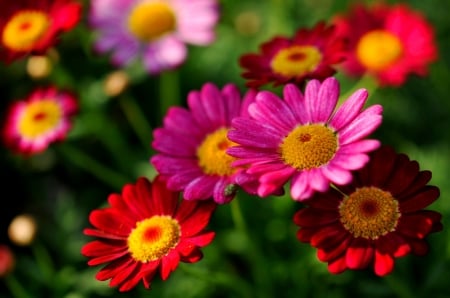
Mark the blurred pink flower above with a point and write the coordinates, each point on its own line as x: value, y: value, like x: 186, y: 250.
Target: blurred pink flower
x: 42, y: 118
x: 155, y: 31
x: 389, y: 42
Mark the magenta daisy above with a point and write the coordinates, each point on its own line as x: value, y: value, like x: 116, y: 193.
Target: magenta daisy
x: 303, y: 140
x: 374, y: 220
x: 42, y: 118
x: 192, y: 143
x: 155, y: 31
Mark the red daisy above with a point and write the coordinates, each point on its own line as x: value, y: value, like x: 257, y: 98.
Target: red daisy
x: 146, y: 229
x: 32, y: 26
x: 310, y: 54
x: 389, y: 42
x: 375, y: 219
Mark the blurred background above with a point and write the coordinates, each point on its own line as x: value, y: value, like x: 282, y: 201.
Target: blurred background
x: 53, y: 193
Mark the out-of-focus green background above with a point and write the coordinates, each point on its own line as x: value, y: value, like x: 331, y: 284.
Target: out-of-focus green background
x: 110, y: 145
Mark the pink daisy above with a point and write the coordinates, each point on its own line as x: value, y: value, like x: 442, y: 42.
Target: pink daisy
x: 42, y: 118
x: 389, y: 42
x: 301, y: 139
x: 192, y: 143
x: 152, y: 30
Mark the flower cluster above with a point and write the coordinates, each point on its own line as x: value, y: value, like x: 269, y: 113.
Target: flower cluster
x: 360, y: 202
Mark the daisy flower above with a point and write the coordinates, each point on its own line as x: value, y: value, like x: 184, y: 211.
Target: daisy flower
x: 146, y: 229
x: 388, y: 42
x: 310, y: 54
x: 373, y: 220
x: 192, y: 143
x: 155, y: 31
x: 302, y: 140
x: 33, y: 26
x: 42, y: 118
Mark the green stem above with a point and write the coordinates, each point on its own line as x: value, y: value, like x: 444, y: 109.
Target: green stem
x: 264, y: 287
x: 44, y: 261
x: 92, y: 166
x: 137, y: 120
x: 15, y: 287
x: 169, y: 92
x: 367, y: 82
x: 219, y: 278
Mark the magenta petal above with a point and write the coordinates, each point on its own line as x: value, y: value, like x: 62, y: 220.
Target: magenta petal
x: 201, y: 188
x: 311, y: 98
x: 337, y: 174
x: 363, y: 125
x: 295, y: 100
x: 348, y: 111
x: 326, y: 100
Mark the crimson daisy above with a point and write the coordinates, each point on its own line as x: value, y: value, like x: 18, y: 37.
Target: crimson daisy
x: 375, y: 219
x: 32, y: 26
x: 388, y: 42
x: 192, y: 143
x: 44, y: 117
x: 309, y: 54
x: 146, y: 229
x: 302, y: 139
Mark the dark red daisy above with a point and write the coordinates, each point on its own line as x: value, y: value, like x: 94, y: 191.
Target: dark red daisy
x: 147, y: 229
x: 375, y: 219
x: 32, y: 26
x: 310, y: 54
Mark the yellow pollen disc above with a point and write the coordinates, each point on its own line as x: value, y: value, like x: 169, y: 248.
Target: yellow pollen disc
x: 212, y: 156
x: 39, y: 117
x: 369, y: 212
x: 24, y: 30
x: 378, y: 49
x: 153, y: 238
x: 149, y: 21
x: 309, y: 146
x: 296, y: 61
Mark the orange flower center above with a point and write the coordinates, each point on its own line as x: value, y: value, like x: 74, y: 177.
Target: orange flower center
x: 153, y: 238
x: 377, y: 50
x: 212, y: 156
x: 39, y: 117
x: 296, y: 61
x: 24, y: 30
x: 309, y: 146
x: 149, y: 21
x: 369, y: 212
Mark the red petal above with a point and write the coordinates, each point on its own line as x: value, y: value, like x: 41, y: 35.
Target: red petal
x: 114, y: 268
x: 420, y: 200
x: 311, y: 217
x: 416, y: 225
x: 111, y: 222
x: 201, y: 240
x: 393, y: 244
x: 99, y: 248
x: 330, y: 253
x: 384, y: 263
x: 305, y: 234
x: 337, y: 266
x: 327, y: 236
x: 402, y: 176
x: 380, y: 166
x: 163, y: 200
x: 197, y: 219
x: 103, y: 234
x: 359, y: 254
x: 421, y: 180
x: 329, y: 200
x: 169, y: 263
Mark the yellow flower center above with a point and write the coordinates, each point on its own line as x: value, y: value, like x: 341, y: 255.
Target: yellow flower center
x: 153, y: 238
x: 24, y: 30
x: 40, y: 117
x: 212, y: 156
x: 296, y: 61
x: 379, y: 49
x: 150, y: 21
x: 369, y: 212
x: 309, y: 146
